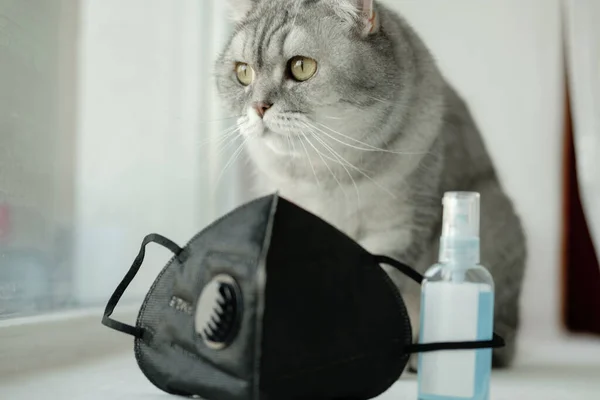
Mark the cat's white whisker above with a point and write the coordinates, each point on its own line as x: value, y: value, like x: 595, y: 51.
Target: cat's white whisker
x: 314, y: 133
x: 358, y: 169
x: 340, y: 141
x: 289, y: 142
x: 226, y: 144
x: 369, y: 147
x: 379, y: 100
x: 337, y: 161
x: 229, y: 132
x: 339, y: 157
x: 309, y: 160
x: 232, y: 159
x: 219, y: 119
x: 327, y: 166
x: 293, y: 145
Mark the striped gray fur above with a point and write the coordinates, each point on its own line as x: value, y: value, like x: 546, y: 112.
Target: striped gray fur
x: 372, y: 141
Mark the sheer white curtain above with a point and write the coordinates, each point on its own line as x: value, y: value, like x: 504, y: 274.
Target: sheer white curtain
x: 149, y: 120
x: 583, y: 54
x: 108, y: 127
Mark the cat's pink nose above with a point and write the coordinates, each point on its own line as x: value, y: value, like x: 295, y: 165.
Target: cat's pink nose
x: 261, y: 108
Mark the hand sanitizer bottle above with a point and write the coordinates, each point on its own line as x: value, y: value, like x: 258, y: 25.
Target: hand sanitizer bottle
x: 457, y: 304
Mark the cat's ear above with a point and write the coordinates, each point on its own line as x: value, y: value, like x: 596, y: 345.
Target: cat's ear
x: 359, y: 11
x: 367, y: 16
x: 239, y: 9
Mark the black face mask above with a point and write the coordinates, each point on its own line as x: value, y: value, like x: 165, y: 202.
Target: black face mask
x: 271, y: 302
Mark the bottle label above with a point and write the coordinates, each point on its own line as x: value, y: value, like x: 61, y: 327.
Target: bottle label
x: 455, y: 312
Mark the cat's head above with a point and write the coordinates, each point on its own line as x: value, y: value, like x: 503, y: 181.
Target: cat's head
x: 309, y: 73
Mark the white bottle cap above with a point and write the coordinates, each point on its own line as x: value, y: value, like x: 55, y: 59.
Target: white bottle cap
x: 460, y: 228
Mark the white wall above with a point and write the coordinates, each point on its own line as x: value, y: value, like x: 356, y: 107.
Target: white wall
x: 505, y: 58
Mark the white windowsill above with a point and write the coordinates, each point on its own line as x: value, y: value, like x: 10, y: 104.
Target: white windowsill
x: 118, y: 377
x: 73, y: 356
x: 37, y: 344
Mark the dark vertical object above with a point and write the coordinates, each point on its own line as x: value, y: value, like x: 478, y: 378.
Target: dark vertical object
x: 581, y: 271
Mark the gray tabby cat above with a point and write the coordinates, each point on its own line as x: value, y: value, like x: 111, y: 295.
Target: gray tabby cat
x: 344, y: 112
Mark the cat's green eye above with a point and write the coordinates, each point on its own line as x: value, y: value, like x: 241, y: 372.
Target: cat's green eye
x: 244, y: 73
x: 302, y: 68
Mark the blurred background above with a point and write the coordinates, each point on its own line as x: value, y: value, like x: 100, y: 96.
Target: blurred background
x: 110, y: 127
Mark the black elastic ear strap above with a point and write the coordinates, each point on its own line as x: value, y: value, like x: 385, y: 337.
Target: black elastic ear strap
x: 405, y: 269
x: 496, y: 341
x: 135, y: 267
